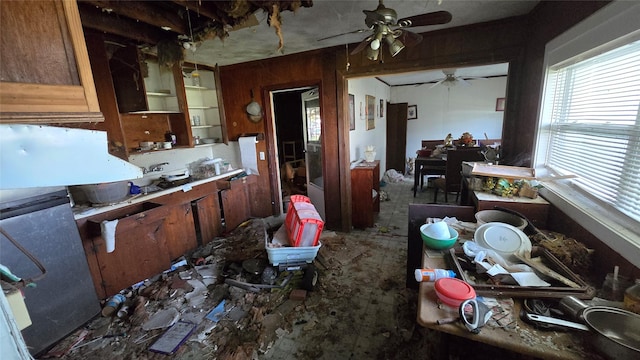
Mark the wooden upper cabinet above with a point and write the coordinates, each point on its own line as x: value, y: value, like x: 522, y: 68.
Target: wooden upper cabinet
x: 45, y: 75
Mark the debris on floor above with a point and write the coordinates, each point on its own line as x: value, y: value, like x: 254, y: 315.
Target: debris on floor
x: 226, y: 301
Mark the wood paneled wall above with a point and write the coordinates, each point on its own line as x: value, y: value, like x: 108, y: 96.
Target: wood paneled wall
x: 519, y: 41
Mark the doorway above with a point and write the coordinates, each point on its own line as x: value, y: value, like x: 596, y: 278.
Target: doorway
x: 298, y: 139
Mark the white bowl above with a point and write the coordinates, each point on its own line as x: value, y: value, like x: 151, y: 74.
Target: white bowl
x: 489, y: 216
x: 438, y: 230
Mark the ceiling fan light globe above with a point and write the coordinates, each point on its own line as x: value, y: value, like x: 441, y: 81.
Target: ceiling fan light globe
x: 375, y: 44
x: 372, y: 54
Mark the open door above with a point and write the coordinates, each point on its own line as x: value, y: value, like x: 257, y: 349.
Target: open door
x: 312, y: 126
x: 396, y: 136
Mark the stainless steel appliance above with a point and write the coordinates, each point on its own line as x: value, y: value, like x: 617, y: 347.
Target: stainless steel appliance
x: 65, y: 298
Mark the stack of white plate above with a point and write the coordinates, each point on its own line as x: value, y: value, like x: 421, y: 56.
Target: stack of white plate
x: 504, y: 239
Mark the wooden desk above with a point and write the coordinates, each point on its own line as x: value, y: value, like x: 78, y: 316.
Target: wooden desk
x: 524, y: 339
x: 428, y: 166
x: 535, y: 210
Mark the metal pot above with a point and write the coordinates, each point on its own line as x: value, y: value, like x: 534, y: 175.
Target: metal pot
x: 616, y: 331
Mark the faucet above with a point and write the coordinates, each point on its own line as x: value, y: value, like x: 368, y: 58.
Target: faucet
x: 155, y: 168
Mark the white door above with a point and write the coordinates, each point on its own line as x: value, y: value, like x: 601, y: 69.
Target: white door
x: 312, y: 128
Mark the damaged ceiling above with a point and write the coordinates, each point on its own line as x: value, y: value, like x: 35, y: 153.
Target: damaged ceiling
x: 236, y: 31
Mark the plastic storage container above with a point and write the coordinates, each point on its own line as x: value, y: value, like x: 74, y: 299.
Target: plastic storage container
x: 303, y: 223
x: 632, y: 298
x: 288, y: 255
x: 453, y: 292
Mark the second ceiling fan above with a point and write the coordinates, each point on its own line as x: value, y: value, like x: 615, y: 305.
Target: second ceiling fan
x: 384, y: 24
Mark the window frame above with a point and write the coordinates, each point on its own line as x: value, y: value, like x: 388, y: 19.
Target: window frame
x: 612, y: 26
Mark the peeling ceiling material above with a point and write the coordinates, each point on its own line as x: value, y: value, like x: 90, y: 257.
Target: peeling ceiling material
x: 182, y: 24
x: 231, y: 32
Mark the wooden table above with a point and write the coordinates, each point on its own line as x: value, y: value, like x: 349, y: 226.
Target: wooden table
x: 428, y: 166
x: 524, y: 339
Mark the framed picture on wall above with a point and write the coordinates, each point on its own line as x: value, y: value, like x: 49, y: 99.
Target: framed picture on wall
x: 352, y: 112
x: 381, y: 108
x: 371, y: 112
x: 412, y: 112
x: 500, y: 104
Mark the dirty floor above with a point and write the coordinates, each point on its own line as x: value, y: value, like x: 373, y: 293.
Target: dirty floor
x: 359, y: 307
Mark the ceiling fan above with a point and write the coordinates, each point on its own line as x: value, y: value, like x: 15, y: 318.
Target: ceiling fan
x: 450, y: 79
x: 384, y: 24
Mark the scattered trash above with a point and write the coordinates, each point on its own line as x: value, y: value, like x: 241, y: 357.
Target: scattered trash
x: 216, y: 314
x: 162, y: 319
x: 171, y: 340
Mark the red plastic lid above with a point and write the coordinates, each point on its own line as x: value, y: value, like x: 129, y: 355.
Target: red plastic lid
x: 455, y: 289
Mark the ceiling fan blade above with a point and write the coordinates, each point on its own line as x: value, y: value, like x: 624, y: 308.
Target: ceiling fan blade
x: 433, y: 18
x: 363, y: 44
x: 463, y: 81
x: 436, y: 84
x: 346, y: 33
x: 410, y: 38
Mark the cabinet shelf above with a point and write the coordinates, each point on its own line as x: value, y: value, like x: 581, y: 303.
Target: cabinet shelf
x: 159, y: 94
x: 193, y: 87
x: 203, y: 107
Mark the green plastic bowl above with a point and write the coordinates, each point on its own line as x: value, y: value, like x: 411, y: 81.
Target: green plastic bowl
x: 438, y: 244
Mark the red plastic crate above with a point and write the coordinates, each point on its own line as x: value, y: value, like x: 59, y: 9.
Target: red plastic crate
x: 293, y: 199
x: 304, y: 226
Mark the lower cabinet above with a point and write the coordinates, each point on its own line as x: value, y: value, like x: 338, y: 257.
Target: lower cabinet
x: 140, y: 247
x: 234, y: 196
x: 180, y: 230
x: 149, y: 237
x: 206, y: 211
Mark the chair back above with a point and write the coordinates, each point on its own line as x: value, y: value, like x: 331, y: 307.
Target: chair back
x: 431, y: 144
x: 455, y: 158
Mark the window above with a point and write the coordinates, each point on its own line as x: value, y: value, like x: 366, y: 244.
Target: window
x: 595, y: 125
x: 590, y: 126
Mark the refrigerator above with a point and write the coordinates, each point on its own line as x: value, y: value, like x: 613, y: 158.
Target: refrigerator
x: 65, y: 298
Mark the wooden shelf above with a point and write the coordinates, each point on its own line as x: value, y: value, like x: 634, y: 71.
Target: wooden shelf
x: 203, y: 107
x: 192, y: 87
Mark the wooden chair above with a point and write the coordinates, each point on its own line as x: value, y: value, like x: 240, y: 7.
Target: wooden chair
x: 453, y: 174
x: 429, y: 145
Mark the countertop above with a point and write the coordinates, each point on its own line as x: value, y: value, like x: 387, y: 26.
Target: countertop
x: 80, y: 211
x: 518, y: 336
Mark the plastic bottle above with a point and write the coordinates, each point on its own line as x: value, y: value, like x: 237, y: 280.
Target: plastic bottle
x: 430, y: 275
x: 632, y: 298
x: 113, y: 304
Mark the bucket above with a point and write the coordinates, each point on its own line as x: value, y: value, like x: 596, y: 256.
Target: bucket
x: 488, y: 216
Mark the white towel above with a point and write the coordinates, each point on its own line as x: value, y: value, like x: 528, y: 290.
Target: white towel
x: 248, y: 154
x: 108, y: 229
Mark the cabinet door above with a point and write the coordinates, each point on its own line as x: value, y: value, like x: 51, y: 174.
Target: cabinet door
x: 180, y: 230
x: 140, y: 250
x: 46, y: 76
x: 207, y: 212
x: 201, y: 86
x: 235, y: 204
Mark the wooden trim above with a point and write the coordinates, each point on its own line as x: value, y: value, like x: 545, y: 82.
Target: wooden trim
x: 74, y: 25
x: 31, y: 98
x: 49, y: 117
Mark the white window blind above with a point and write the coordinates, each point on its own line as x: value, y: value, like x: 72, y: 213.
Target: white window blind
x: 595, y: 125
